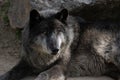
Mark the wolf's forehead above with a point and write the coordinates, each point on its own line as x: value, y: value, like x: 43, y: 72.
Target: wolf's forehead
x: 51, y: 23
x: 48, y: 13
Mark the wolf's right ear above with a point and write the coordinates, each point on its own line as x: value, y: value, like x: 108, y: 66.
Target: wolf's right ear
x: 34, y: 17
x: 62, y: 15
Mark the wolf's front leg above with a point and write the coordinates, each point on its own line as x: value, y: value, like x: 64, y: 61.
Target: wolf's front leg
x: 21, y: 70
x: 55, y: 73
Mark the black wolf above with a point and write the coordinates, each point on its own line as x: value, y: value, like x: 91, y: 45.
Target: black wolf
x: 56, y: 45
x: 46, y: 46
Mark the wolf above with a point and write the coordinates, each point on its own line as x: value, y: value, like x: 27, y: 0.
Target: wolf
x: 57, y: 45
x: 46, y: 43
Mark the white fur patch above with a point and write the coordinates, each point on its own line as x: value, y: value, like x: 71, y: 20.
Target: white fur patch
x: 101, y: 44
x: 60, y: 40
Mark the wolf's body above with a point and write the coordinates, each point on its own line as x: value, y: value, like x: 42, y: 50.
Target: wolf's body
x: 55, y: 44
x: 98, y: 51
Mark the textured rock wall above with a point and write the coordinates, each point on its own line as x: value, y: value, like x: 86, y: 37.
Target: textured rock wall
x: 88, y: 9
x: 18, y: 13
x: 100, y: 10
x: 19, y: 10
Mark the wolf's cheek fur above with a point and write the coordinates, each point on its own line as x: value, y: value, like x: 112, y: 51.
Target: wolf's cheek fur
x: 40, y: 45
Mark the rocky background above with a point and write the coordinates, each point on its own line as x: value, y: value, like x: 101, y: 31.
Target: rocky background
x: 9, y: 41
x: 15, y: 13
x: 87, y: 9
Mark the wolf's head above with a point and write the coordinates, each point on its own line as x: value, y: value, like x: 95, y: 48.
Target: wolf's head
x: 48, y: 31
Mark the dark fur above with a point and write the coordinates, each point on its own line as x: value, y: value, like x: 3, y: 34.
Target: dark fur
x: 86, y: 60
x: 94, y: 50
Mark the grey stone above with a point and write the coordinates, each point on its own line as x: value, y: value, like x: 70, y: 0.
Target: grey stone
x: 88, y: 9
x: 19, y: 9
x: 99, y: 10
x: 18, y: 13
x: 1, y: 2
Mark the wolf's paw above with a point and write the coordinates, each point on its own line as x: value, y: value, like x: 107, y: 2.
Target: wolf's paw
x: 43, y: 76
x: 46, y: 76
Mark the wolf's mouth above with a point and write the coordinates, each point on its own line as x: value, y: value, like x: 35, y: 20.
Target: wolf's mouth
x: 53, y: 53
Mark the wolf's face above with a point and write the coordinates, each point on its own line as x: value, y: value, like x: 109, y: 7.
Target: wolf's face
x: 48, y: 35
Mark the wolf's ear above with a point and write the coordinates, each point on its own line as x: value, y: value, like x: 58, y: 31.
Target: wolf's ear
x: 62, y: 15
x: 34, y: 17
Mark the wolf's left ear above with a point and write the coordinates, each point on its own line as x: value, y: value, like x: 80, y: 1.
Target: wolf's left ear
x: 62, y: 15
x: 34, y: 17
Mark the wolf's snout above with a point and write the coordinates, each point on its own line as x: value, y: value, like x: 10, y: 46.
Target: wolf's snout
x: 55, y: 51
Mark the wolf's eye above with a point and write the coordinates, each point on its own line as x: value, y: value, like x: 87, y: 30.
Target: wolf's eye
x: 59, y: 30
x: 45, y: 32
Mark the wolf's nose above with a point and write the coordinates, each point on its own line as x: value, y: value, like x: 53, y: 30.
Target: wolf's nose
x: 55, y: 51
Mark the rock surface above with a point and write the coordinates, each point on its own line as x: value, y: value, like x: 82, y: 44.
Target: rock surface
x: 88, y: 9
x: 18, y: 13
x: 108, y: 10
x: 19, y: 9
x: 9, y: 47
